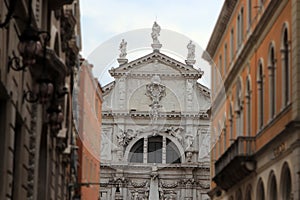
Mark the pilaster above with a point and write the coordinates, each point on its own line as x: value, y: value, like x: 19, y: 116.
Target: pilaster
x: 296, y: 58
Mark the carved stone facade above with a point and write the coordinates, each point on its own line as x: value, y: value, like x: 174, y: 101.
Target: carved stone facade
x: 154, y: 128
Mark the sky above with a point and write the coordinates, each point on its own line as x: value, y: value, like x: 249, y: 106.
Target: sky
x: 111, y: 20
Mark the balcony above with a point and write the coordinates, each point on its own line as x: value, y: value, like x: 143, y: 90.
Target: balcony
x: 56, y: 4
x: 236, y: 163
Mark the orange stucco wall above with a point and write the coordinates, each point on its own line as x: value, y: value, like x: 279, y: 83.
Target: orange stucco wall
x: 272, y: 34
x: 90, y: 104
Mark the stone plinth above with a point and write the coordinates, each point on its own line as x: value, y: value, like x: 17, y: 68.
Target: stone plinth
x: 190, y: 62
x: 122, y: 61
x: 156, y: 47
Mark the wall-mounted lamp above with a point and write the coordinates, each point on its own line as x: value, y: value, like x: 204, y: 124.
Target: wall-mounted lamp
x: 29, y: 47
x: 42, y: 94
x: 55, y: 118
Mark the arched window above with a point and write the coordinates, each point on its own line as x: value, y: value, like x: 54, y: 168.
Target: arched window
x: 286, y: 183
x: 248, y: 106
x: 220, y: 65
x: 224, y: 133
x: 272, y: 82
x: 260, y: 84
x: 225, y: 60
x: 239, y: 194
x: 248, y: 192
x: 249, y: 14
x: 231, y: 44
x: 272, y: 189
x: 285, y: 55
x: 220, y: 138
x: 172, y: 153
x: 239, y: 108
x: 260, y: 192
x: 155, y: 146
x: 240, y: 28
x: 155, y: 149
x: 231, y: 121
x: 136, y: 152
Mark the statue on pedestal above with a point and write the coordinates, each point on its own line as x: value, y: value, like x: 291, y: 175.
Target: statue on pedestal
x: 155, y: 33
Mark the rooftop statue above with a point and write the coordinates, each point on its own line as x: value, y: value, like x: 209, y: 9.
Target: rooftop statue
x: 155, y: 33
x: 191, y: 51
x: 122, y: 47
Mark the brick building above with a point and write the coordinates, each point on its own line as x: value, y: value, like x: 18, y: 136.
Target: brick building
x: 89, y: 118
x: 39, y: 45
x: 256, y: 100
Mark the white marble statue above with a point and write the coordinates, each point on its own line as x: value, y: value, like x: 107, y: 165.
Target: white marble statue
x: 123, y: 46
x: 191, y: 51
x: 155, y: 33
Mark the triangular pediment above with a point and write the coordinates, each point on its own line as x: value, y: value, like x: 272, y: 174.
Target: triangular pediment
x: 167, y: 65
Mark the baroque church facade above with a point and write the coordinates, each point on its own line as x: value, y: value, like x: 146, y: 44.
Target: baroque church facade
x: 155, y: 128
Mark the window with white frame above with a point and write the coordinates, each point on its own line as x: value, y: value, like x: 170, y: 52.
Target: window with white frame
x: 225, y: 60
x: 231, y: 44
x: 272, y: 81
x: 239, y: 108
x: 285, y: 55
x: 240, y: 27
x: 231, y: 121
x: 249, y: 14
x: 224, y: 134
x: 248, y: 106
x: 220, y: 65
x: 260, y: 84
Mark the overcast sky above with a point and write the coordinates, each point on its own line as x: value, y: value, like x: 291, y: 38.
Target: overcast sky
x: 102, y: 20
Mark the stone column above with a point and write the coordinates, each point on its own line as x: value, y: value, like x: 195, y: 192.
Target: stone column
x: 164, y: 150
x: 145, y: 152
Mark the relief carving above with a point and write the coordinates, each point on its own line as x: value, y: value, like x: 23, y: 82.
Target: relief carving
x: 189, y: 93
x: 139, y: 185
x: 169, y: 185
x: 124, y: 137
x: 189, y: 140
x: 175, y: 132
x: 155, y: 91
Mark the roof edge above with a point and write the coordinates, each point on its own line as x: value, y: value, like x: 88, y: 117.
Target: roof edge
x: 218, y: 31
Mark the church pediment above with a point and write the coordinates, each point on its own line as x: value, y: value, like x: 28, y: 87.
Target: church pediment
x: 156, y: 63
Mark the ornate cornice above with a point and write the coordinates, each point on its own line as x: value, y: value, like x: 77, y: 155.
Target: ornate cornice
x: 201, y: 114
x: 185, y: 70
x: 222, y: 22
x: 107, y: 88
